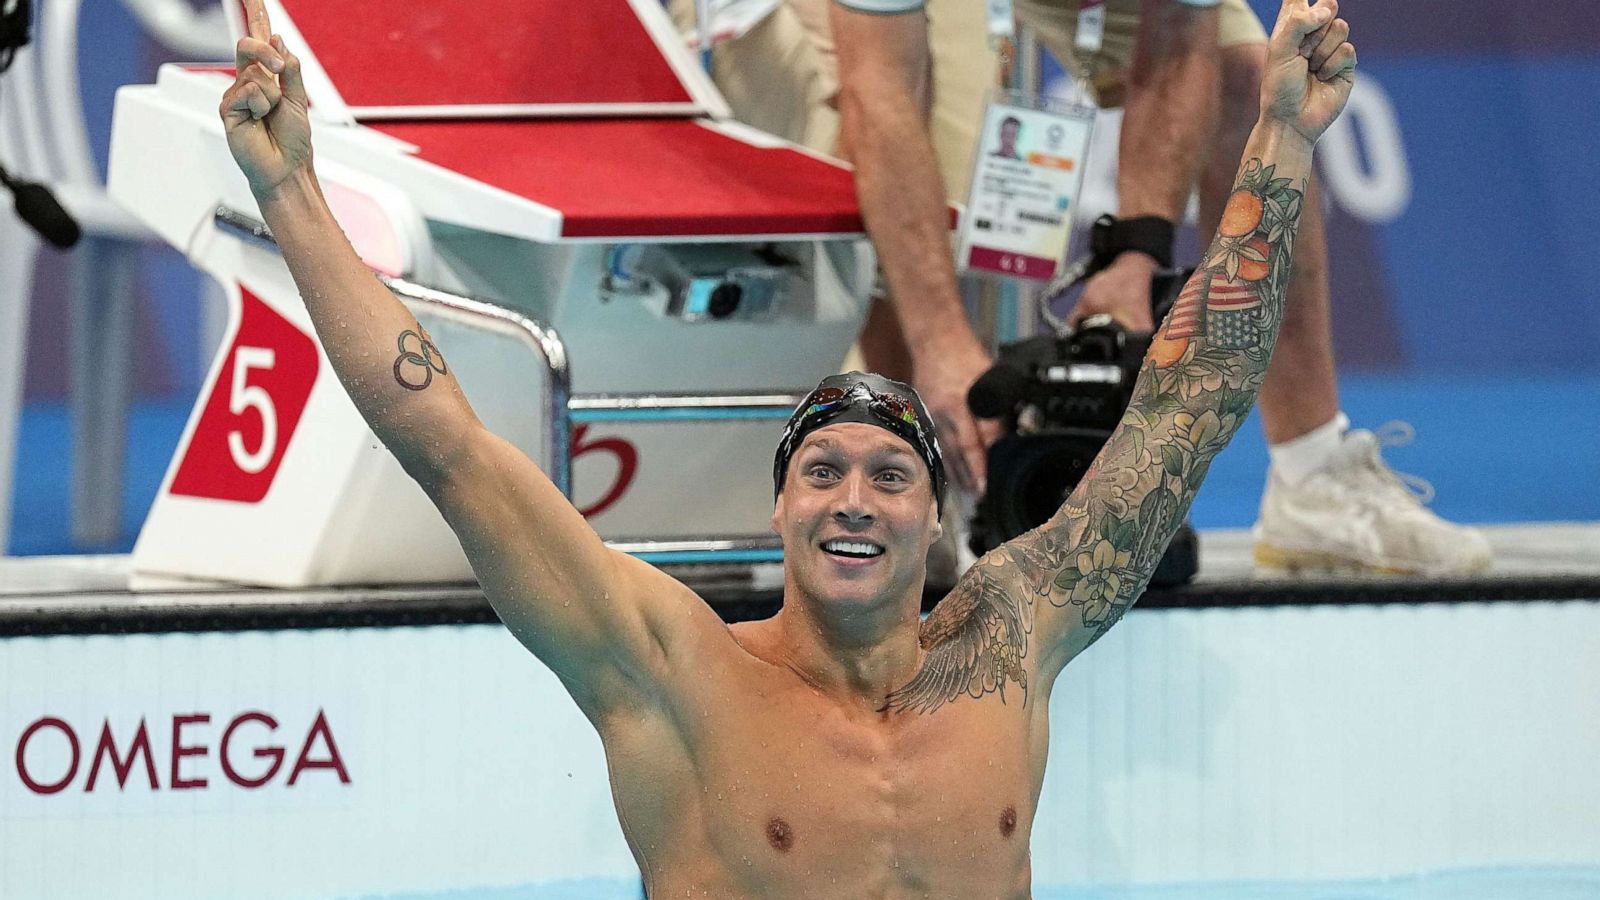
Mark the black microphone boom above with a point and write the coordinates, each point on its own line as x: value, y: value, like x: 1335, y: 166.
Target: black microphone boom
x: 35, y: 204
x: 15, y: 18
x: 42, y: 211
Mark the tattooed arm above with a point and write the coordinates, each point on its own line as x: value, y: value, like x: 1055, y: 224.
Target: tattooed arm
x: 1034, y: 603
x: 596, y: 617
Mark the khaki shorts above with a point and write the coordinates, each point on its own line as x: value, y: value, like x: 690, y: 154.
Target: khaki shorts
x: 1056, y: 24
x: 783, y: 77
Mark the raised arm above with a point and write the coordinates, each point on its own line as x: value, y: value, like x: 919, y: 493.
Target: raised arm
x: 588, y: 612
x: 884, y: 86
x: 1034, y: 603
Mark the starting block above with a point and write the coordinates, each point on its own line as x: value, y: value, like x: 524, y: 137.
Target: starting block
x: 631, y: 288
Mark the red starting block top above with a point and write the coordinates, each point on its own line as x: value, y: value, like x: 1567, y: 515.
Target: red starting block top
x: 644, y: 177
x: 425, y: 58
x: 593, y: 109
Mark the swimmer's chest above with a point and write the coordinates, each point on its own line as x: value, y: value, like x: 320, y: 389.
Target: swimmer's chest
x: 792, y: 782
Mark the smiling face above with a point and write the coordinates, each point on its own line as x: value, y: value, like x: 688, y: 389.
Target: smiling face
x: 857, y: 516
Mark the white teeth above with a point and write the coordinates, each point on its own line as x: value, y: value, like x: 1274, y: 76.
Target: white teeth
x: 852, y: 548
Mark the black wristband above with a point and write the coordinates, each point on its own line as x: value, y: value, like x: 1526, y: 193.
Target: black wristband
x: 1111, y: 236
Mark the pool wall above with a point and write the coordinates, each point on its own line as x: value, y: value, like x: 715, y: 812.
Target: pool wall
x: 1334, y: 744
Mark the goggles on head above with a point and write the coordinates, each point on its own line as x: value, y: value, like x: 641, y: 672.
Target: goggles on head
x: 868, y: 398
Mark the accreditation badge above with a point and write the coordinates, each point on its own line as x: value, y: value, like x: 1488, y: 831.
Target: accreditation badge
x: 1026, y: 180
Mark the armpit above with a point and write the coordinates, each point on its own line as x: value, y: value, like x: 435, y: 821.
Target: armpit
x: 975, y: 640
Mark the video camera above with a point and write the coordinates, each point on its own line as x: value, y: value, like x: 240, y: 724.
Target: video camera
x: 1059, y: 396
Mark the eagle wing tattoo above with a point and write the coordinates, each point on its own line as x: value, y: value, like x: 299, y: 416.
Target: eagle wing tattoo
x: 975, y: 640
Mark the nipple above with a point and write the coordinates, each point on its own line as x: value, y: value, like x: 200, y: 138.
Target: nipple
x: 780, y: 835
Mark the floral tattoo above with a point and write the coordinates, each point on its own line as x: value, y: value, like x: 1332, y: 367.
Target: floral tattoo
x: 1094, y: 557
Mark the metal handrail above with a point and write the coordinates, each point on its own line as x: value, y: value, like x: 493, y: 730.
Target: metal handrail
x: 566, y: 410
x: 749, y: 550
x: 536, y: 335
x: 540, y: 338
x: 776, y: 402
x: 183, y: 28
x: 683, y: 407
x: 65, y: 125
x: 174, y: 23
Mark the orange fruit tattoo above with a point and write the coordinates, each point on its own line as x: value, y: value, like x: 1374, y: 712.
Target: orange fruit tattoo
x: 1165, y: 351
x: 1241, y: 216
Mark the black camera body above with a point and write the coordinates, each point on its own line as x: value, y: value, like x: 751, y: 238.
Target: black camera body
x: 1059, y: 397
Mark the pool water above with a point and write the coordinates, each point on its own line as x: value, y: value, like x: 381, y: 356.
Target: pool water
x: 1562, y: 883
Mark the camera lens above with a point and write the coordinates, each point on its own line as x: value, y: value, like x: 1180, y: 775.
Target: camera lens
x: 725, y: 299
x: 1041, y: 485
x: 1029, y: 478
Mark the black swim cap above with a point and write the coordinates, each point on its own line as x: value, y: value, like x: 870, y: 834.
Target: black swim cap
x: 874, y: 400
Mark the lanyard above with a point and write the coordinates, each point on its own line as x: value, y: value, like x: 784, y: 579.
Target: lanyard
x: 1002, y: 24
x: 1091, y: 27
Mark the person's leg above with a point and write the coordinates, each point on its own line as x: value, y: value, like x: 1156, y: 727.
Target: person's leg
x: 882, y: 343
x: 779, y: 77
x: 964, y: 70
x: 1301, y: 391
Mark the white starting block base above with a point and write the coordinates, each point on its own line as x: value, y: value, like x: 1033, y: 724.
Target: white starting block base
x: 686, y: 279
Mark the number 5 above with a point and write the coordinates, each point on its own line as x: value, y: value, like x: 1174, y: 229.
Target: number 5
x: 247, y: 396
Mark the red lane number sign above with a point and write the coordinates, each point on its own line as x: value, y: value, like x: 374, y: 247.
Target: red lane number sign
x: 254, y: 406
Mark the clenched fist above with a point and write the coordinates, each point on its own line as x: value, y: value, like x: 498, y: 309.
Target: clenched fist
x: 1311, y: 67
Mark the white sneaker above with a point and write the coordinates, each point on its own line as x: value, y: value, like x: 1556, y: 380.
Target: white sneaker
x: 1358, y: 515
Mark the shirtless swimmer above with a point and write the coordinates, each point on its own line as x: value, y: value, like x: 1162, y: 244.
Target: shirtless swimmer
x: 838, y: 749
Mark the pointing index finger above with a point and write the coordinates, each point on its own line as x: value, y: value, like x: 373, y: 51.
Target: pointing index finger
x: 256, y: 22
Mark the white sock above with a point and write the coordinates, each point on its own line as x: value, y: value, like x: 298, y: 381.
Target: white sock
x: 1296, y: 460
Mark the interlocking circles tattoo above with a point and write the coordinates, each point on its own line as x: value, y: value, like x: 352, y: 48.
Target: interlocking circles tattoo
x: 418, y: 361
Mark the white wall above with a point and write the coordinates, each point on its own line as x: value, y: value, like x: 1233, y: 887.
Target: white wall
x: 1297, y: 743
